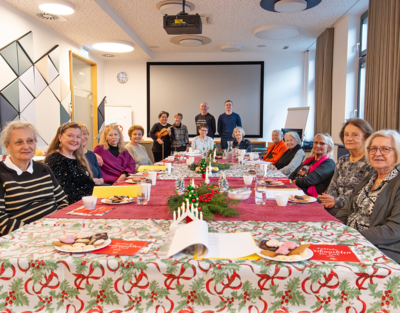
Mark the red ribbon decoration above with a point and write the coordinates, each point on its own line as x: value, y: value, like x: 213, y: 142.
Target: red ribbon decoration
x: 265, y: 278
x: 2, y: 270
x: 363, y: 277
x: 171, y: 277
x: 80, y: 277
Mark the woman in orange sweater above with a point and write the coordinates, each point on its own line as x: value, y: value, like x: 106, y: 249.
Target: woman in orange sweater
x: 279, y: 147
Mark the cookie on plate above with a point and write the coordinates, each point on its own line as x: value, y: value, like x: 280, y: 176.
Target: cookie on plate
x: 299, y: 249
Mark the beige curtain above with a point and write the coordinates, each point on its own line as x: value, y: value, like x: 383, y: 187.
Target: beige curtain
x: 323, y: 82
x: 382, y: 86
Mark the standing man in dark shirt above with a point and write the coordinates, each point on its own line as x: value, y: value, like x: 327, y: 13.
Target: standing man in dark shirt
x: 205, y: 118
x: 226, y: 123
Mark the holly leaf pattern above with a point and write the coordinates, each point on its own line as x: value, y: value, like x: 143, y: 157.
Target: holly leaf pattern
x: 171, y: 268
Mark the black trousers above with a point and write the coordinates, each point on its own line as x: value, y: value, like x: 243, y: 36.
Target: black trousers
x: 158, y: 155
x: 181, y: 148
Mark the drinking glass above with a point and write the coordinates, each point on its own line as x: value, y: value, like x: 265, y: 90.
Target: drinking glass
x: 141, y: 196
x: 259, y: 173
x: 260, y: 194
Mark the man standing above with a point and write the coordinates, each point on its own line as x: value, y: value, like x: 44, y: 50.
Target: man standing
x: 205, y: 118
x: 226, y: 124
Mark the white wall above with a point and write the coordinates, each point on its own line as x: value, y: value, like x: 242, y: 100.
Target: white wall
x: 282, y: 83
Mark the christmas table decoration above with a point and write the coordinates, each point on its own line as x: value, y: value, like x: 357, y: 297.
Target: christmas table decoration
x: 223, y: 182
x: 180, y: 185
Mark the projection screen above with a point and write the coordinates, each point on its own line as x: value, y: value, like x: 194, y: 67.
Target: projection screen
x: 181, y: 87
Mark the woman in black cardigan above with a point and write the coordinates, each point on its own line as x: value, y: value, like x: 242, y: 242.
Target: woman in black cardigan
x: 164, y: 141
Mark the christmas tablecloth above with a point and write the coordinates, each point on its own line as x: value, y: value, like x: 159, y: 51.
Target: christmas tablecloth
x: 37, y: 278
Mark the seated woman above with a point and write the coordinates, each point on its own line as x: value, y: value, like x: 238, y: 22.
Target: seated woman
x: 67, y: 160
x: 91, y: 156
x: 240, y: 142
x: 162, y: 144
x: 202, y: 142
x: 181, y: 134
x: 351, y: 168
x: 279, y: 147
x: 21, y: 201
x: 316, y: 172
x: 137, y: 151
x: 293, y: 156
x: 373, y: 207
x: 117, y: 162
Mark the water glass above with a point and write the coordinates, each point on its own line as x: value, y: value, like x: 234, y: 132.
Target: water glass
x: 259, y: 173
x: 141, y: 195
x: 260, y: 195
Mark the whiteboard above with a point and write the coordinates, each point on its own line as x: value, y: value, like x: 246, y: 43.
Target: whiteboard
x: 297, y: 118
x: 120, y: 115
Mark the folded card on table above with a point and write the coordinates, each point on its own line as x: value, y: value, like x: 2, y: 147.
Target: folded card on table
x: 333, y: 253
x: 122, y: 247
x: 97, y: 211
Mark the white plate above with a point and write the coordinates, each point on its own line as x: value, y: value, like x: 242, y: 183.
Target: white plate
x: 105, y: 202
x: 307, y: 256
x: 130, y: 181
x: 312, y: 199
x: 107, y: 243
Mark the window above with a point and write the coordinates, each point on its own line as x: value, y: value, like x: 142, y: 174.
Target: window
x: 362, y: 64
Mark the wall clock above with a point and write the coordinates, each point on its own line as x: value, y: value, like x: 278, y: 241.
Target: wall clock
x: 122, y: 77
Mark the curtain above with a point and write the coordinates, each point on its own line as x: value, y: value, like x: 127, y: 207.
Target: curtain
x: 382, y: 86
x: 323, y: 82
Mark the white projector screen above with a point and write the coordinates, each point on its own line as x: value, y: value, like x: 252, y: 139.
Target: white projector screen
x: 181, y: 87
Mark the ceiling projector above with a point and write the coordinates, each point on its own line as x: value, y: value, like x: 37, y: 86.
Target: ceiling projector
x: 182, y: 24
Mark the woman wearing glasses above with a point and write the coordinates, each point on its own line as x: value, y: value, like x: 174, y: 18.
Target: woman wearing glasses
x: 374, y: 206
x: 351, y: 168
x: 315, y: 174
x: 202, y: 142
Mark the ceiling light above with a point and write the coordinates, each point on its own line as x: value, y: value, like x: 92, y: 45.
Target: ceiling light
x: 190, y: 42
x: 173, y: 8
x: 114, y: 46
x: 290, y: 6
x: 230, y: 48
x: 59, y: 7
x: 177, y: 40
x: 277, y: 31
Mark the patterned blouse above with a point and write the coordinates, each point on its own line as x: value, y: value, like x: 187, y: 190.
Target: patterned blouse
x: 364, y: 201
x: 347, y: 175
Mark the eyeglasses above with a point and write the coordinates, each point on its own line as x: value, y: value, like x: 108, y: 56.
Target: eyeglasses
x: 383, y: 150
x: 316, y: 143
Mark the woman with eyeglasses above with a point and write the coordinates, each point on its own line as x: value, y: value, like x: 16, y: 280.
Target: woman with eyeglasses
x: 315, y: 174
x: 351, y: 168
x: 202, y: 142
x: 374, y: 205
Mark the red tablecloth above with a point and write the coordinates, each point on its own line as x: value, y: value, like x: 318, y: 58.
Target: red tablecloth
x: 157, y: 208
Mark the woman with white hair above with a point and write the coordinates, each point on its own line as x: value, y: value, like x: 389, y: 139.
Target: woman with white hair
x: 28, y: 189
x: 315, y: 174
x: 374, y: 205
x: 240, y: 142
x: 279, y: 147
x: 293, y: 156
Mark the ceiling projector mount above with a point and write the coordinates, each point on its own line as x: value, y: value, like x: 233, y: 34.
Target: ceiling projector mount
x: 182, y: 23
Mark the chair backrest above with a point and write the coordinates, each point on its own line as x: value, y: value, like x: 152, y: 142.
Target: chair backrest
x: 108, y: 191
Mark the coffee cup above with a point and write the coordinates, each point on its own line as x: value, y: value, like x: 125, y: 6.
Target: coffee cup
x: 89, y: 202
x: 247, y: 179
x: 281, y: 199
x: 168, y: 166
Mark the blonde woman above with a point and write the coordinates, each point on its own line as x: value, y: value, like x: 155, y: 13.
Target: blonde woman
x: 137, y: 151
x: 117, y: 162
x: 66, y: 158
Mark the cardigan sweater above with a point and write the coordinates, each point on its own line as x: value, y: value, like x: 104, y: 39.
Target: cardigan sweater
x: 244, y: 144
x: 277, y: 151
x: 113, y: 167
x: 384, y: 225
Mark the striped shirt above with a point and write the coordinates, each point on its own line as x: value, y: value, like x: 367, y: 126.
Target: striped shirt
x: 28, y: 197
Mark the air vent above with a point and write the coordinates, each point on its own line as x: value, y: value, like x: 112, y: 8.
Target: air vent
x: 285, y: 47
x: 51, y: 17
x: 108, y: 55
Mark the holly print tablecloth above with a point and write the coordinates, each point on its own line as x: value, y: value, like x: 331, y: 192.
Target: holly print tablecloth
x: 37, y: 278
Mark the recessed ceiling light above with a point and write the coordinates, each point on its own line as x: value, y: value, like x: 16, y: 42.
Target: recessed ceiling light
x: 173, y: 8
x: 277, y: 31
x: 114, y: 46
x: 190, y: 42
x: 59, y: 7
x: 290, y: 6
x: 230, y: 48
x: 176, y: 40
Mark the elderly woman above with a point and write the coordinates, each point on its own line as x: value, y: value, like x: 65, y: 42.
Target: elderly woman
x: 279, y: 147
x: 373, y: 207
x: 202, y: 142
x: 293, y: 156
x: 67, y: 160
x: 161, y: 144
x: 240, y: 142
x: 21, y: 201
x: 117, y: 162
x: 137, y: 151
x: 316, y: 172
x: 350, y: 169
x: 91, y: 156
x: 181, y: 134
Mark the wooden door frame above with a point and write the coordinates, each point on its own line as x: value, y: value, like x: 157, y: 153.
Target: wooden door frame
x: 94, y: 91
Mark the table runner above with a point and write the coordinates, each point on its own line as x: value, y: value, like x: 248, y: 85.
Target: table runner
x: 157, y: 208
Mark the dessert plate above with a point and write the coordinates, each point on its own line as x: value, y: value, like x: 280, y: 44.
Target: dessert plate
x: 304, y: 256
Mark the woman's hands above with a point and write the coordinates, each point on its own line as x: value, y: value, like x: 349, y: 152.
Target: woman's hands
x: 122, y: 177
x: 327, y: 201
x: 99, y: 159
x: 98, y: 181
x: 160, y: 141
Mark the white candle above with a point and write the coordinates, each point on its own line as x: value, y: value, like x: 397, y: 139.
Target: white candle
x: 179, y: 212
x: 207, y: 180
x: 193, y: 182
x: 201, y: 215
x: 175, y: 216
x: 187, y: 204
x: 197, y: 213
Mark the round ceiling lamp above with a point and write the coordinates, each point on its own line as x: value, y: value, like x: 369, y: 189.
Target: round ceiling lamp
x: 58, y: 7
x: 190, y: 42
x: 114, y: 46
x: 230, y: 48
x: 173, y: 8
x: 290, y: 6
x: 276, y: 32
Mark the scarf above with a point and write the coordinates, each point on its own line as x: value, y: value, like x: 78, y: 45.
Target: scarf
x: 287, y: 157
x: 312, y: 191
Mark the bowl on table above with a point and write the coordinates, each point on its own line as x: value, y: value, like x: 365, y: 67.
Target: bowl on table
x: 239, y: 196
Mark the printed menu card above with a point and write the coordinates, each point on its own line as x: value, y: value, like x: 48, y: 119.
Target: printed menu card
x: 333, y: 253
x: 97, y: 211
x: 122, y: 247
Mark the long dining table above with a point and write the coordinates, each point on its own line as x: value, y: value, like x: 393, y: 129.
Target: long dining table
x: 37, y: 278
